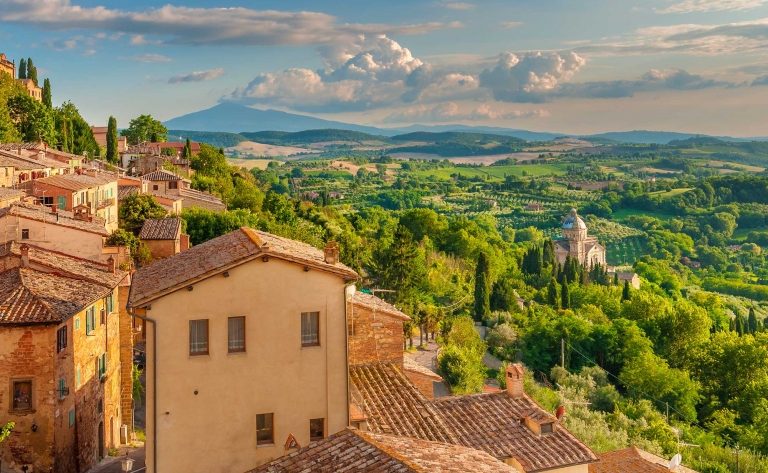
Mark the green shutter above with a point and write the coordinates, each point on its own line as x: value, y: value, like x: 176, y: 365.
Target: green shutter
x: 62, y: 202
x: 61, y: 387
x: 71, y: 417
x: 88, y: 322
x: 77, y: 378
x: 77, y: 323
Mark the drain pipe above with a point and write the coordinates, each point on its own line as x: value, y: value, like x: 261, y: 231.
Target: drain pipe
x: 154, y: 383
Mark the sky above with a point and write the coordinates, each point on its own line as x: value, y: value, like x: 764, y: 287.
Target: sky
x: 566, y: 66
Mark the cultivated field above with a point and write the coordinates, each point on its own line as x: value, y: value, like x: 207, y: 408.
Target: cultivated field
x: 261, y: 149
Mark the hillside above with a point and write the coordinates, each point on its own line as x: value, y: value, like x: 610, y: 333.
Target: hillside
x: 312, y: 136
x: 233, y: 118
x: 218, y: 139
x: 461, y: 137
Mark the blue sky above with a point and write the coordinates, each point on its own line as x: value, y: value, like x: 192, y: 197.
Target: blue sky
x: 571, y: 66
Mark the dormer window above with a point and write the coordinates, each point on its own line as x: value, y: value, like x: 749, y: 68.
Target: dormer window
x: 547, y: 428
x: 539, y: 422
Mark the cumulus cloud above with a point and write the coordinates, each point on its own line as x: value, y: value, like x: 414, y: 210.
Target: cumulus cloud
x: 147, y: 58
x: 450, y: 112
x: 187, y: 25
x: 197, y: 76
x: 689, y: 6
x: 729, y: 38
x: 530, y: 77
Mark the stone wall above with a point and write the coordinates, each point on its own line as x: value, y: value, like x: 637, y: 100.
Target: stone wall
x: 374, y: 337
x: 423, y: 383
x: 162, y: 248
x: 126, y: 358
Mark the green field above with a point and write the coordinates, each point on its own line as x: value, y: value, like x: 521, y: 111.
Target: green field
x: 495, y: 172
x: 741, y: 233
x: 672, y: 193
x: 624, y: 214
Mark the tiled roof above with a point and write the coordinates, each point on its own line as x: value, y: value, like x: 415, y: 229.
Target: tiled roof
x: 222, y: 252
x: 18, y: 162
x: 353, y: 450
x: 35, y: 145
x: 60, y: 217
x: 492, y: 422
x: 198, y: 195
x: 76, y: 182
x: 62, y: 264
x: 125, y: 191
x: 374, y: 303
x: 29, y: 296
x: 409, y: 364
x: 162, y: 175
x: 394, y: 405
x: 160, y: 229
x: 633, y: 460
x: 7, y: 193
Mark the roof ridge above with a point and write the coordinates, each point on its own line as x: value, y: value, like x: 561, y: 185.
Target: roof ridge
x: 387, y: 451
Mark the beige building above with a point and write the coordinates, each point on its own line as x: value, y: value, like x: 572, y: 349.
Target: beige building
x: 246, y: 347
x: 59, y: 342
x: 32, y: 90
x: 100, y: 135
x: 9, y: 196
x: 166, y: 183
x: 91, y: 195
x: 6, y: 66
x: 577, y: 244
x: 57, y: 230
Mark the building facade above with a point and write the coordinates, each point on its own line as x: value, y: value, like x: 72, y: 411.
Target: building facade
x: 92, y: 195
x: 246, y: 346
x: 6, y: 66
x: 577, y: 244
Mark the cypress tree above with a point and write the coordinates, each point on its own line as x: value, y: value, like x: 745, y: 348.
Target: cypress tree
x: 740, y: 325
x: 548, y: 258
x: 566, y: 295
x: 154, y: 138
x: 553, y: 297
x: 616, y: 278
x: 625, y: 294
x: 188, y: 149
x: 752, y: 321
x: 47, y: 99
x: 112, y: 152
x: 31, y: 71
x: 23, y: 69
x: 732, y: 325
x: 482, y: 288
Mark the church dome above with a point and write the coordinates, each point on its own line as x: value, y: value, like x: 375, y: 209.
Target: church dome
x: 573, y: 221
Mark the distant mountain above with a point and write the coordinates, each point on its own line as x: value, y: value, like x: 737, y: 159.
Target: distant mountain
x: 233, y: 118
x: 311, y: 136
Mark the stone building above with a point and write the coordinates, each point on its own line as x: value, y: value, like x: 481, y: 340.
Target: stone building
x: 246, y: 342
x: 32, y: 89
x: 59, y: 342
x: 166, y: 183
x: 6, y: 66
x: 163, y: 237
x: 577, y: 244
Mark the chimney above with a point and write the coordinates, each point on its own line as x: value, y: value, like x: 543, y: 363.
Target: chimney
x: 24, y: 255
x: 515, y: 380
x: 54, y: 208
x: 111, y: 265
x: 332, y: 252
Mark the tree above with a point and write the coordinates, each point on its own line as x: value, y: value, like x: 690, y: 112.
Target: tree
x: 31, y: 71
x: 402, y: 267
x: 188, y: 149
x: 74, y: 133
x: 752, y: 321
x: 23, y: 69
x: 626, y: 294
x: 553, y: 296
x: 740, y: 325
x: 112, y: 152
x: 566, y: 295
x: 122, y: 237
x: 143, y: 128
x: 135, y: 209
x: 381, y: 169
x: 47, y: 98
x: 32, y: 119
x: 482, y: 287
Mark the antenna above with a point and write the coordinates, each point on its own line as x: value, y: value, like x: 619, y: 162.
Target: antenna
x: 675, y: 462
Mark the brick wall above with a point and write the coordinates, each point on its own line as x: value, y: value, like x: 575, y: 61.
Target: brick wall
x: 374, y: 336
x: 126, y: 358
x: 162, y: 248
x: 27, y: 353
x: 423, y: 383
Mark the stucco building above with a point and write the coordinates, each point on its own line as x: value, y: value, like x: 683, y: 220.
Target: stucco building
x: 166, y: 183
x: 577, y: 244
x: 246, y: 345
x: 59, y: 342
x: 6, y: 66
x: 32, y: 89
x: 100, y: 135
x: 89, y: 195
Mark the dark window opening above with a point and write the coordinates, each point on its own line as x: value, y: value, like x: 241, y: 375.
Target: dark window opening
x: 264, y: 429
x: 310, y: 329
x: 316, y: 429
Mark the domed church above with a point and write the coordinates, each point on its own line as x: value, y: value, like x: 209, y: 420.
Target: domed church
x: 576, y: 244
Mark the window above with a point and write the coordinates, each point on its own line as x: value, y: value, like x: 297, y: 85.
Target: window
x: 316, y: 429
x: 236, y: 334
x: 101, y: 365
x: 109, y: 303
x: 62, y: 388
x: 90, y: 320
x: 71, y: 417
x: 61, y: 202
x: 154, y: 187
x: 22, y: 395
x: 77, y: 323
x: 61, y: 339
x: 47, y: 201
x: 25, y: 233
x: 100, y: 406
x: 77, y: 378
x: 173, y: 185
x: 198, y: 337
x: 547, y: 428
x: 264, y: 429
x: 310, y: 329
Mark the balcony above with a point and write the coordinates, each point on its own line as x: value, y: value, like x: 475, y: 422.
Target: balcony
x: 102, y: 204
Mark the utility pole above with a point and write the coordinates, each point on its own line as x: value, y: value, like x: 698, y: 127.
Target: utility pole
x: 562, y: 352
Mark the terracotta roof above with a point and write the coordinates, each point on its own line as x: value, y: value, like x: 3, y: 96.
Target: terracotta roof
x: 125, y: 191
x: 374, y: 303
x: 409, y: 364
x: 394, y: 405
x: 29, y: 296
x: 160, y: 229
x: 215, y: 255
x: 193, y: 194
x: 62, y: 264
x: 7, y: 193
x: 63, y: 218
x: 36, y: 145
x: 162, y: 175
x: 18, y: 162
x: 633, y: 460
x: 44, y: 161
x: 76, y: 182
x: 99, y: 129
x: 353, y: 450
x: 492, y: 422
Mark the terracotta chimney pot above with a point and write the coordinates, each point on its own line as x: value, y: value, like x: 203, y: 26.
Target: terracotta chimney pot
x: 332, y: 252
x: 515, y: 377
x: 24, y: 255
x: 111, y: 265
